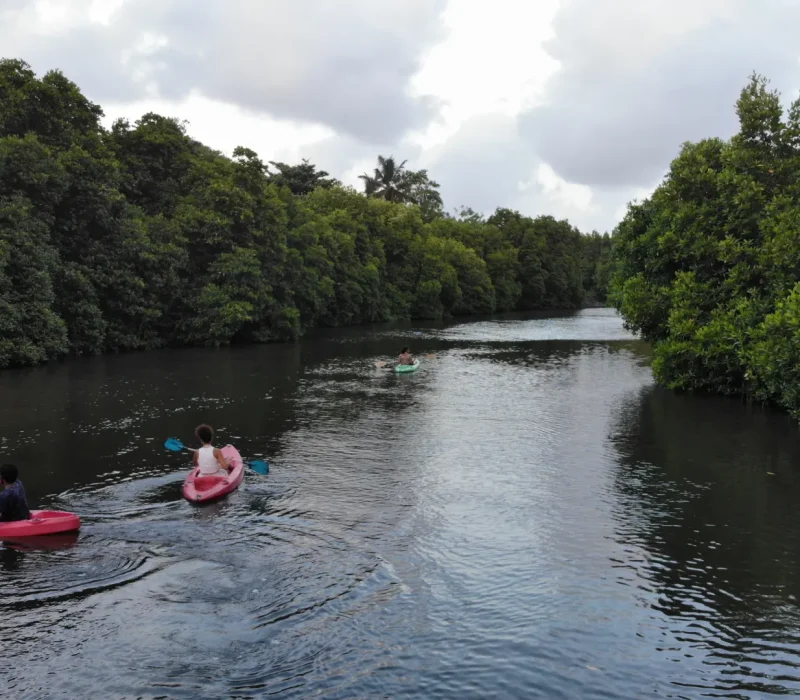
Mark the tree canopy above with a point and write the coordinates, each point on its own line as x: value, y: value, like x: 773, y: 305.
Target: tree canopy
x: 138, y: 236
x: 708, y: 268
x: 395, y: 183
x: 300, y: 179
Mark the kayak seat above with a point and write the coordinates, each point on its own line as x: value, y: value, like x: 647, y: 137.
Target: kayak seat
x: 201, y: 483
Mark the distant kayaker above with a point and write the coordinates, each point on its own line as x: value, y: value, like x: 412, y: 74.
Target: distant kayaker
x: 406, y: 358
x: 13, y: 504
x: 208, y: 458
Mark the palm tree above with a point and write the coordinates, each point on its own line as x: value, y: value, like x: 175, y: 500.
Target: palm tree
x: 389, y: 182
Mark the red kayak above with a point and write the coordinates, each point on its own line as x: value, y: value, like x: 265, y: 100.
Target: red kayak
x: 41, y: 522
x: 201, y: 489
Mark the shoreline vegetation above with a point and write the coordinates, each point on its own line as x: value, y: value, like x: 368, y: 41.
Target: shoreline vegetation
x: 708, y: 268
x: 138, y: 237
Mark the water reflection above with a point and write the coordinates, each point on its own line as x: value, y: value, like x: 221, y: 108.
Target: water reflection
x: 717, y: 535
x: 46, y: 543
x: 107, y: 417
x: 525, y: 516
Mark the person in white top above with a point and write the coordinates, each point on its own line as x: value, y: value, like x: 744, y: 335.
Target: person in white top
x: 208, y: 458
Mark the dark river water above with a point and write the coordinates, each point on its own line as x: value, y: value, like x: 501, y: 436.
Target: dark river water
x: 527, y: 516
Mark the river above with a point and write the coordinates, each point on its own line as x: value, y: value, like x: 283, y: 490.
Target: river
x: 527, y: 516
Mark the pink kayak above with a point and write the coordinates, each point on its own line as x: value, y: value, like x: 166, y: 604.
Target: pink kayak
x: 200, y: 489
x: 41, y: 522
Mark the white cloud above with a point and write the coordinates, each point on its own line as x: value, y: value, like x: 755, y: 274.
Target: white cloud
x: 345, y: 64
x: 571, y: 196
x: 224, y: 126
x: 567, y: 107
x: 638, y: 79
x: 492, y: 60
x: 482, y: 163
x: 103, y: 11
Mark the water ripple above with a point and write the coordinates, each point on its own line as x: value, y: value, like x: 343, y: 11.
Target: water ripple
x: 525, y: 516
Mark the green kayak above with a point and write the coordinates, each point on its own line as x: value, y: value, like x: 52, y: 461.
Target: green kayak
x: 407, y: 368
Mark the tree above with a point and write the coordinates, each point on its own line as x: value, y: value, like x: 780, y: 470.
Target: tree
x: 596, y: 266
x: 139, y: 236
x: 156, y: 157
x: 388, y: 182
x: 707, y: 267
x: 395, y: 183
x: 423, y: 192
x: 301, y: 179
x: 52, y: 108
x: 30, y: 331
x: 500, y: 256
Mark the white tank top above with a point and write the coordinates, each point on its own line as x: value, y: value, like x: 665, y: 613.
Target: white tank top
x: 206, y: 460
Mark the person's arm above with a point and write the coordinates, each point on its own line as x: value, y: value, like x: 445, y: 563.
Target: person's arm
x: 195, y: 457
x: 4, y: 496
x: 221, y: 459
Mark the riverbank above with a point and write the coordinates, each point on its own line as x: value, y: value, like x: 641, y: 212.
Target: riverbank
x: 153, y: 239
x: 411, y: 325
x: 708, y: 267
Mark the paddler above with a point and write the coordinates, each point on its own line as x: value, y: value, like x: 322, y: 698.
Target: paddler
x: 13, y: 504
x: 406, y: 358
x: 208, y: 458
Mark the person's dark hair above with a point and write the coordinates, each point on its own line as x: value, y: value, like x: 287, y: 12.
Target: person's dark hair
x: 204, y: 433
x: 9, y: 473
x: 404, y: 350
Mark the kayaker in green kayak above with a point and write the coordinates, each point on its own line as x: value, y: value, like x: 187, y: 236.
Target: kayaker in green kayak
x: 406, y: 358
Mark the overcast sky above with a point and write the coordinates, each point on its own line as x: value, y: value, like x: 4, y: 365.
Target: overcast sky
x: 563, y: 107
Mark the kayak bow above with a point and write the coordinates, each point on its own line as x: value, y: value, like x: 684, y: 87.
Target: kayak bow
x: 407, y: 368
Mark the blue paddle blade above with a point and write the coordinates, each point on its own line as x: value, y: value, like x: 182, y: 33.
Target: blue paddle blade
x: 259, y: 467
x: 173, y: 444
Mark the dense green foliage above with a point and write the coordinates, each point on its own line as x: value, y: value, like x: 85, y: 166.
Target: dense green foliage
x: 597, y: 267
x: 300, y: 179
x: 395, y: 183
x: 138, y: 237
x: 709, y: 266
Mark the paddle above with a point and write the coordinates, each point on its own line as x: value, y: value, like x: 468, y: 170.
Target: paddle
x: 257, y: 465
x: 175, y: 445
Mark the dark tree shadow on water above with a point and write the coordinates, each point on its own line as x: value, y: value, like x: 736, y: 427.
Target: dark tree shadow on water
x: 10, y: 558
x: 709, y: 489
